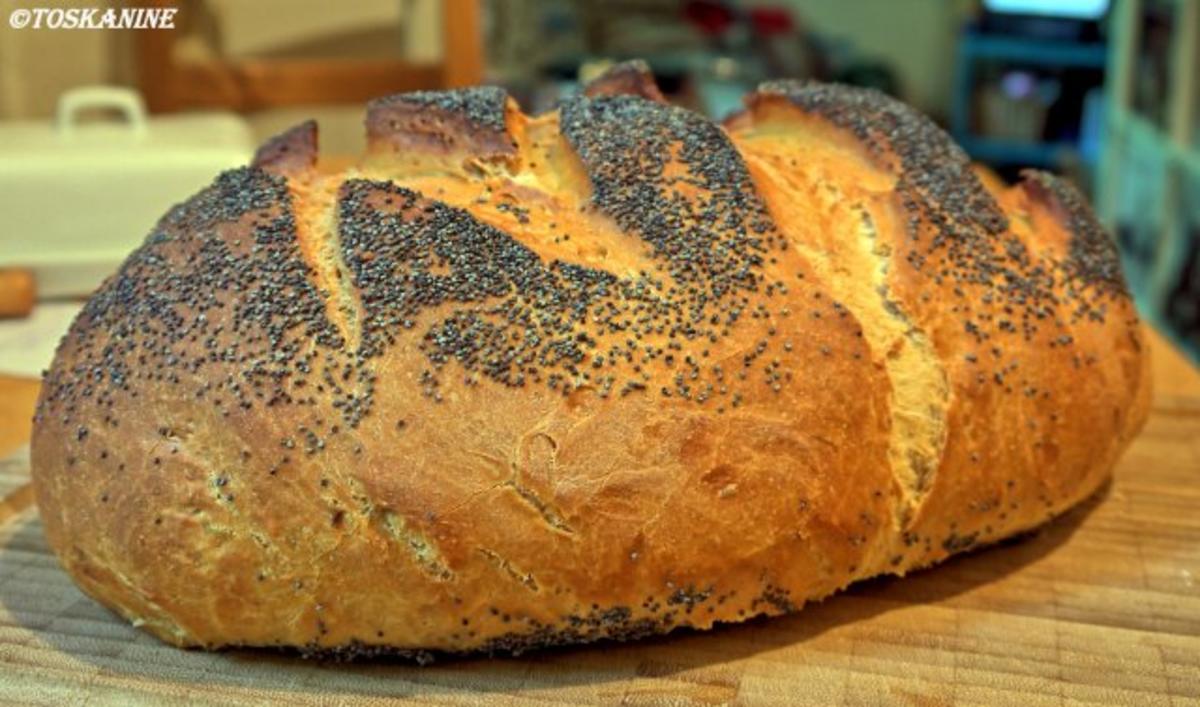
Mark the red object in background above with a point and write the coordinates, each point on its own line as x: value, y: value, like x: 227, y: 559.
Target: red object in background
x: 771, y: 20
x: 713, y: 18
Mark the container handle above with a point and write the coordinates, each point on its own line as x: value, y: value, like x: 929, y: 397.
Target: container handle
x: 124, y: 100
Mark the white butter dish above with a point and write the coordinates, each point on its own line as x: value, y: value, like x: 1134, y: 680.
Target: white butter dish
x: 76, y: 197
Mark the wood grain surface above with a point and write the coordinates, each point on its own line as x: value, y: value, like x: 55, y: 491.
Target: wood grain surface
x: 1102, y: 606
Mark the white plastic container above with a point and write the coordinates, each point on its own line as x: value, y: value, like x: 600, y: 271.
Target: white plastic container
x: 76, y: 197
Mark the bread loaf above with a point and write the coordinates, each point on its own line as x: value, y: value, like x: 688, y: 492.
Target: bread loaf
x: 515, y: 381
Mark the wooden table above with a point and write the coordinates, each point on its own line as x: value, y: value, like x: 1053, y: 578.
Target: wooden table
x: 1102, y: 606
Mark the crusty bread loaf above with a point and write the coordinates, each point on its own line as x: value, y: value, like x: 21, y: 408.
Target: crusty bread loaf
x: 516, y: 381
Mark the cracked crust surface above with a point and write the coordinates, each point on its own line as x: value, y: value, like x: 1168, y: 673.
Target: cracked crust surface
x: 517, y: 381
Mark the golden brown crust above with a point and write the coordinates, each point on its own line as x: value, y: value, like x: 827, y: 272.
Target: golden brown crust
x: 521, y: 381
x: 291, y: 152
x: 1006, y: 296
x: 629, y: 78
x: 468, y: 120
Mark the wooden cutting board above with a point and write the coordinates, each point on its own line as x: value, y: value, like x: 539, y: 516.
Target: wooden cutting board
x: 1102, y: 606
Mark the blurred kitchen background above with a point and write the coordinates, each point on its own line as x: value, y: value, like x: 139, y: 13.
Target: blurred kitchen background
x: 100, y: 131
